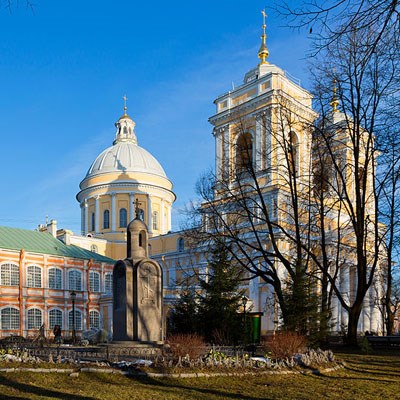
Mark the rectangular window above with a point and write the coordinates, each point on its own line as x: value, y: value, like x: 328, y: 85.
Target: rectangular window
x: 55, y: 318
x: 94, y: 282
x: 94, y: 319
x: 9, y: 318
x: 75, y: 280
x: 108, y: 281
x: 34, y: 318
x: 9, y: 275
x: 55, y: 278
x: 78, y: 320
x: 34, y: 276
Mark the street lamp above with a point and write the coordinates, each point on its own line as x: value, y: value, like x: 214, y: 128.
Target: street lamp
x: 73, y: 297
x: 244, y: 302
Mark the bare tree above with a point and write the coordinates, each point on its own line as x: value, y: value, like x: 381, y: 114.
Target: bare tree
x: 366, y: 85
x: 328, y: 21
x: 389, y: 207
x: 261, y: 208
x: 11, y: 4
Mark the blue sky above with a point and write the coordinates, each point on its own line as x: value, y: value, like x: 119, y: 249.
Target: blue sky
x: 65, y: 68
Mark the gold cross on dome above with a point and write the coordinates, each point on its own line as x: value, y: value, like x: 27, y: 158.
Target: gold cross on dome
x: 264, y: 15
x: 125, y: 99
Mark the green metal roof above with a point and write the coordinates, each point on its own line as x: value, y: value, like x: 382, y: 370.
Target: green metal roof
x: 44, y: 243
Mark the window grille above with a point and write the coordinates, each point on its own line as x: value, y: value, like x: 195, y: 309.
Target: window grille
x: 78, y: 320
x: 75, y: 280
x: 55, y: 318
x: 9, y: 275
x: 94, y: 319
x: 9, y: 318
x: 108, y: 281
x: 34, y: 276
x: 94, y: 281
x: 34, y: 316
x: 55, y: 278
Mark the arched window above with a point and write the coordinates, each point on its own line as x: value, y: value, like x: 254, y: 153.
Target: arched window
x: 92, y: 222
x: 181, y: 244
x: 34, y: 316
x: 74, y: 280
x: 94, y: 281
x: 155, y: 220
x: 293, y: 154
x: 78, y: 320
x: 9, y: 318
x: 94, y: 319
x: 108, y: 281
x: 55, y: 278
x: 123, y: 218
x: 55, y: 318
x: 244, y: 153
x: 34, y: 276
x: 106, y: 219
x: 9, y: 275
x: 94, y: 248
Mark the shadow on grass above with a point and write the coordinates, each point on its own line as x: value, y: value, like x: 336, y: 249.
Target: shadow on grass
x: 203, y: 392
x: 368, y: 371
x: 34, y: 390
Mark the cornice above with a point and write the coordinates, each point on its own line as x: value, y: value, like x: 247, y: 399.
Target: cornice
x: 137, y: 188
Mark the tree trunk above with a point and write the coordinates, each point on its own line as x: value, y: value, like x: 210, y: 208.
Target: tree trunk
x: 354, y: 316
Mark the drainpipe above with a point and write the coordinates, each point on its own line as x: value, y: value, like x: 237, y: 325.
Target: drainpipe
x: 20, y: 294
x: 90, y: 265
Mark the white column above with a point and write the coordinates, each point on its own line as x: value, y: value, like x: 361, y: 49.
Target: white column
x: 258, y: 153
x: 376, y: 303
x: 335, y: 319
x: 97, y: 214
x: 345, y: 289
x: 86, y: 225
x: 227, y: 152
x: 268, y: 146
x: 219, y: 154
x: 254, y: 293
x: 131, y: 207
x: 83, y: 219
x: 162, y: 218
x: 169, y: 218
x: 366, y: 313
x: 149, y: 215
x: 113, y: 213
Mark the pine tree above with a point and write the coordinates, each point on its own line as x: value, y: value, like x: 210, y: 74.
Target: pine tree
x: 183, y: 318
x: 220, y: 298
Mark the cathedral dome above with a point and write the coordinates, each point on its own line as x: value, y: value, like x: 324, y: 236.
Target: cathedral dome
x: 123, y: 181
x: 125, y: 161
x: 123, y: 157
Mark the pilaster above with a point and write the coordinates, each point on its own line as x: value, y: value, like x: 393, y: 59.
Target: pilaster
x: 113, y: 213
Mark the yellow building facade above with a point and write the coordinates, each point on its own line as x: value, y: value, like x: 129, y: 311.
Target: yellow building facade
x: 251, y: 124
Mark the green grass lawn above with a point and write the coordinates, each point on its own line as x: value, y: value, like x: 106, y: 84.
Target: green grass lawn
x: 374, y: 376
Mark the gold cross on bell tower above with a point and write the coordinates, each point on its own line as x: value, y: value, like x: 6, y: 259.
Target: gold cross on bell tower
x: 263, y: 53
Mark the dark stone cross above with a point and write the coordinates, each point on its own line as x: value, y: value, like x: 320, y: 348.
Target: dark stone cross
x: 137, y: 209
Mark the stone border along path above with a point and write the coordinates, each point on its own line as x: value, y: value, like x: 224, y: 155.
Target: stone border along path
x: 75, y: 372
